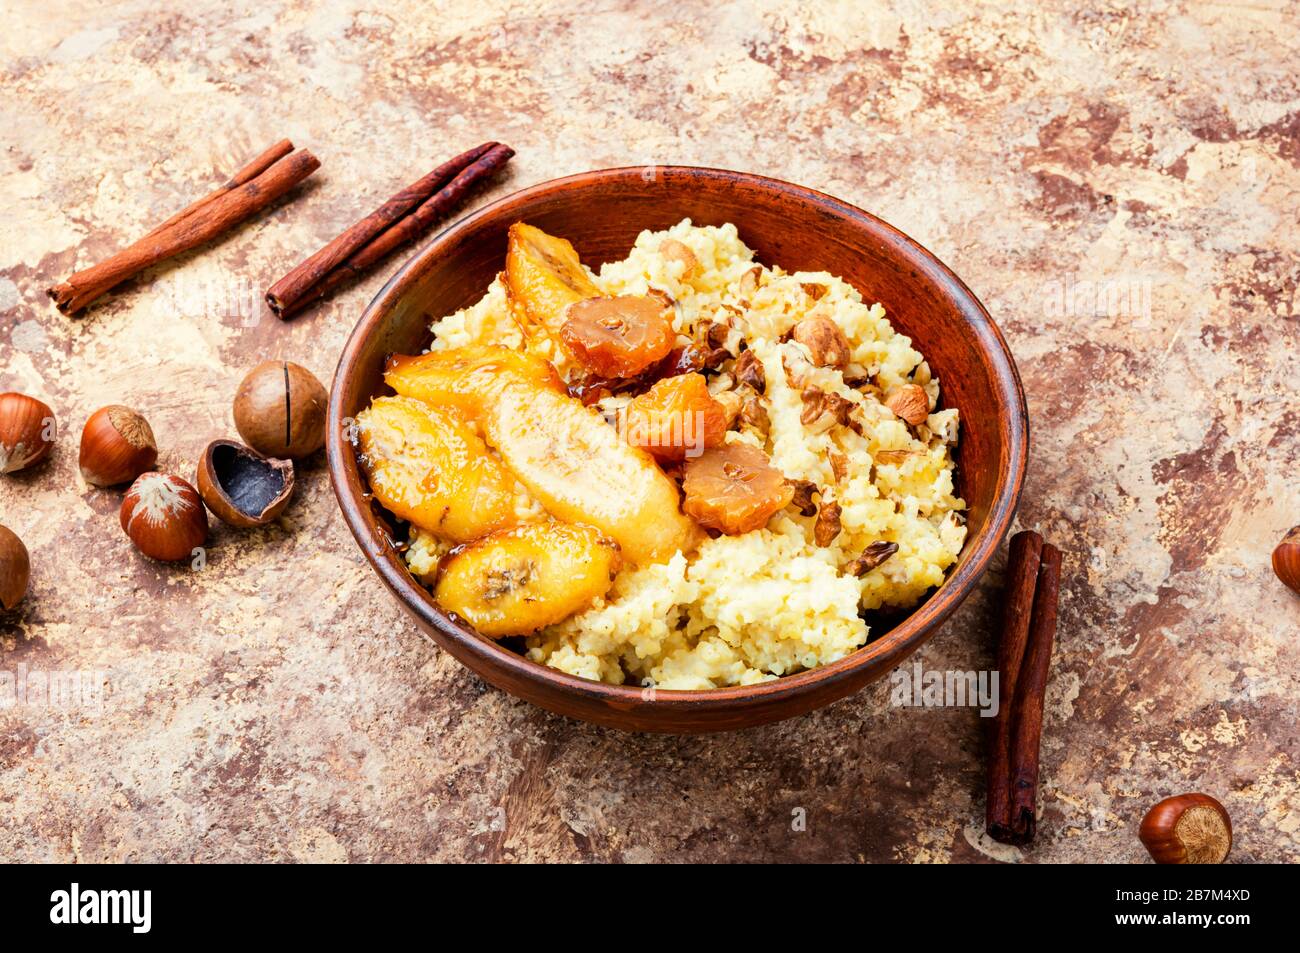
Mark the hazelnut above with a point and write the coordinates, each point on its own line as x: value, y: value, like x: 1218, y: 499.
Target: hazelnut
x: 280, y: 410
x: 1187, y: 829
x: 1286, y: 559
x: 26, y: 431
x: 240, y: 486
x: 826, y: 343
x: 117, y: 445
x: 15, y: 568
x: 749, y: 281
x: 911, y: 403
x: 674, y: 250
x: 164, y: 517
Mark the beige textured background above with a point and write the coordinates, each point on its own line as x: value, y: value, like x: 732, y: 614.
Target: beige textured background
x: 277, y: 705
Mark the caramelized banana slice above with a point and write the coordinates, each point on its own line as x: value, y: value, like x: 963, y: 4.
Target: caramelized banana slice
x: 517, y: 581
x: 428, y: 466
x: 579, y: 468
x: 543, y: 277
x: 466, y: 377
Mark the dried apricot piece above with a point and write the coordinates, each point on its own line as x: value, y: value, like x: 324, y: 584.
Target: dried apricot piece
x: 618, y: 337
x: 516, y: 581
x: 734, y: 489
x: 676, y: 418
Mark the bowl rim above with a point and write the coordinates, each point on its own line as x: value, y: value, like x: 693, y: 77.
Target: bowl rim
x: 885, y: 652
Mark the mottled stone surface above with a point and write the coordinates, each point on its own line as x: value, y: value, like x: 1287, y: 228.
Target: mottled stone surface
x: 276, y: 704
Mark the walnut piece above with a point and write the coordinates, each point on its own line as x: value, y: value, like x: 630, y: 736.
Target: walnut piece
x: 749, y: 370
x: 754, y: 414
x: 911, y: 403
x: 731, y: 403
x: 871, y: 557
x: 822, y: 409
x: 827, y: 526
x: 827, y: 346
x: 894, y: 457
x: 839, y: 466
x: 803, y: 496
x: 674, y: 250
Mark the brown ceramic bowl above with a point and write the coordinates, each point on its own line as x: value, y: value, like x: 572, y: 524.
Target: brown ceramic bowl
x: 797, y: 228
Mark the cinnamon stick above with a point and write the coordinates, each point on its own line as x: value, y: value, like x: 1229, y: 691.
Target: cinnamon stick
x: 256, y: 186
x: 1024, y: 660
x: 308, y: 283
x: 289, y: 290
x: 249, y: 172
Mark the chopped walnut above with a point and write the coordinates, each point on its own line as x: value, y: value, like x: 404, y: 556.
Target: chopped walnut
x: 894, y: 457
x: 797, y: 366
x: 839, y: 466
x: 674, y: 250
x: 803, y: 496
x: 822, y: 409
x: 827, y: 526
x: 731, y: 403
x: 754, y: 414
x: 871, y: 557
x: 661, y: 295
x: 749, y: 370
x: 827, y: 346
x: 749, y: 281
x: 814, y: 290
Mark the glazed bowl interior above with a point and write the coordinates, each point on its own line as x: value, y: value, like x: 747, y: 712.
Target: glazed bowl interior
x: 799, y: 229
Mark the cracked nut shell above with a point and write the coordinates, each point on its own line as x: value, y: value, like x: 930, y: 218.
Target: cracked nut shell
x: 240, y: 486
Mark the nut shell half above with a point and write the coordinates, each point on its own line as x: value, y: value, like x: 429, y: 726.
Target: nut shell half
x: 240, y: 486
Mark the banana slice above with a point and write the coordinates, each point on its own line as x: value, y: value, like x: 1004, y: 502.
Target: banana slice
x: 543, y: 277
x: 581, y: 471
x: 466, y: 377
x: 517, y: 581
x: 428, y: 466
